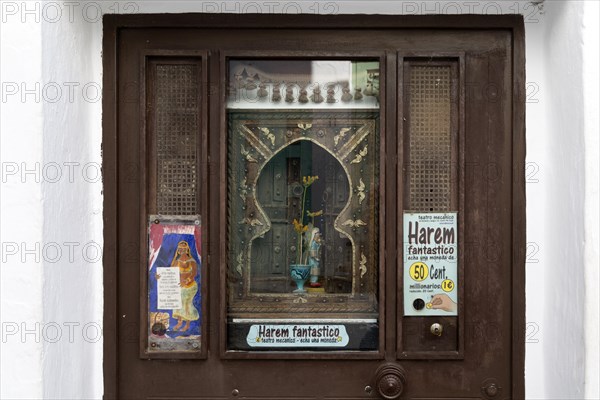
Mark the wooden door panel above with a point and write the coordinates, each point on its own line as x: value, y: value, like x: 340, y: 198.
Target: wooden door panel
x: 480, y: 349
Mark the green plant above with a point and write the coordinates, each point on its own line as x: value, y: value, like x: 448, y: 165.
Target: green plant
x: 299, y: 226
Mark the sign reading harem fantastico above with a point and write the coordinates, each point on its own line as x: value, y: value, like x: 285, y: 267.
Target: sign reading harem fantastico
x: 297, y: 336
x: 430, y: 264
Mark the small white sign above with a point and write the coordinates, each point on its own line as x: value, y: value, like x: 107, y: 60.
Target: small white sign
x: 168, y: 288
x: 430, y: 264
x: 297, y: 336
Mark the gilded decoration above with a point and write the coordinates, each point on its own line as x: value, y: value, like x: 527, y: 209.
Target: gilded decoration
x: 259, y: 240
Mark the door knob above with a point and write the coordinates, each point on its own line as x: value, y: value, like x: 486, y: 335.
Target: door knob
x: 389, y: 381
x: 436, y: 329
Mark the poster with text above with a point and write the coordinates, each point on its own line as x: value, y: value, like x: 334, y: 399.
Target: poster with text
x: 430, y: 264
x: 174, y: 296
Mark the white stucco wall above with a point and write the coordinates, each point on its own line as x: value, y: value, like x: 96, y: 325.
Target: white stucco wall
x: 73, y: 284
x: 62, y: 52
x: 21, y: 218
x: 591, y: 105
x: 563, y: 239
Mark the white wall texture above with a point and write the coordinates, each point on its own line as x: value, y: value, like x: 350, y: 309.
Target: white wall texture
x: 73, y: 284
x: 591, y: 105
x: 59, y: 208
x: 564, y: 241
x: 21, y: 218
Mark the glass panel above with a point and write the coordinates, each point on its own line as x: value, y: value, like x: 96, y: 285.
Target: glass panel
x: 303, y: 159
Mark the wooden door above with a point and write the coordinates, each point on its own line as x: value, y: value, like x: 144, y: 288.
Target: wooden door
x: 200, y: 195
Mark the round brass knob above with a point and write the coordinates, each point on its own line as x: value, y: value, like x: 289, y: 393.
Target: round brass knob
x: 436, y: 329
x: 390, y: 380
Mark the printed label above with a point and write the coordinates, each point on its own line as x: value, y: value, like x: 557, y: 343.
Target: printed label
x: 430, y: 264
x: 297, y: 336
x: 168, y: 290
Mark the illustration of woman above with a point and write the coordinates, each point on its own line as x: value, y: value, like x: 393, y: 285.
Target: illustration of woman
x: 188, y: 269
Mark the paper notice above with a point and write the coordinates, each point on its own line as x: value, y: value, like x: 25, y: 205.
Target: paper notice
x: 168, y: 289
x: 430, y: 264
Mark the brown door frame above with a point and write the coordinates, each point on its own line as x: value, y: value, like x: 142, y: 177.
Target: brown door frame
x: 113, y: 24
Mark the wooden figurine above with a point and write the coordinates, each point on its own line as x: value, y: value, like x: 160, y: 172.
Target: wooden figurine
x: 314, y: 257
x: 289, y: 94
x: 316, y: 96
x: 358, y: 94
x: 276, y: 97
x: 331, y: 94
x: 262, y: 91
x: 303, y: 98
x: 346, y: 96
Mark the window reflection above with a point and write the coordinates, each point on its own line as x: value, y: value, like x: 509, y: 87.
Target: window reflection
x: 303, y: 179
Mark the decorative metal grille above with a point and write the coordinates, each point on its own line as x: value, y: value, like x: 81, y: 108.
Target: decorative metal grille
x: 177, y: 132
x: 430, y: 138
